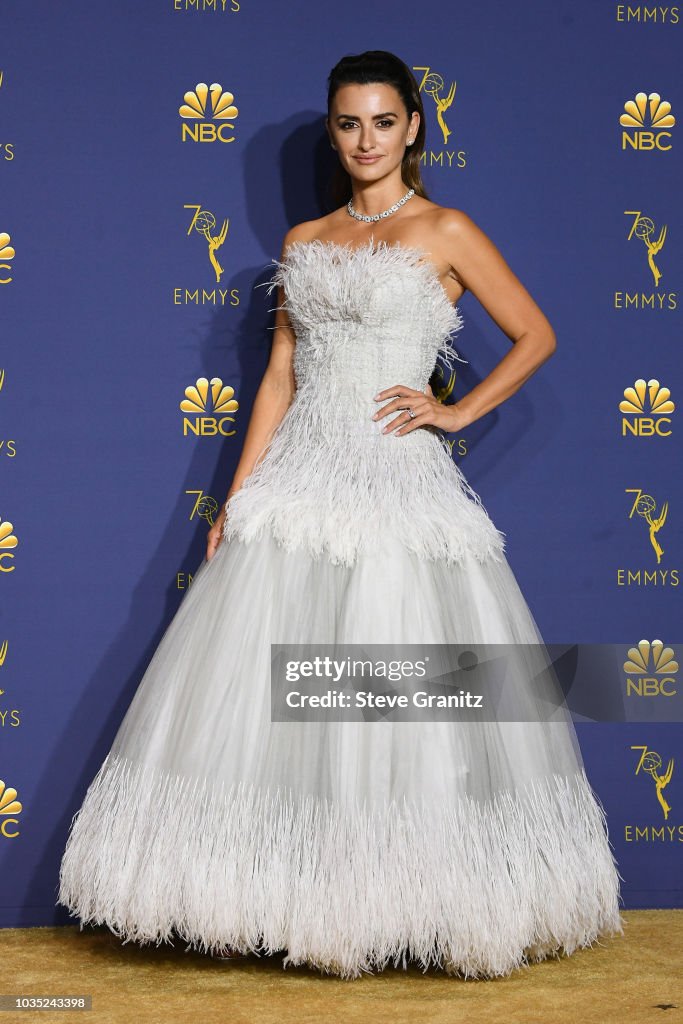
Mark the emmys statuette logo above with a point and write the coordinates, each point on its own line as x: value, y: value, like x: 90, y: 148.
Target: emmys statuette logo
x: 204, y: 223
x: 205, y: 506
x: 645, y: 120
x: 444, y: 385
x: 210, y: 416
x: 9, y: 808
x: 645, y: 506
x: 641, y: 399
x: 8, y: 542
x: 433, y: 85
x: 4, y: 647
x: 651, y: 763
x: 6, y: 254
x: 643, y: 230
x: 651, y: 670
x: 214, y: 125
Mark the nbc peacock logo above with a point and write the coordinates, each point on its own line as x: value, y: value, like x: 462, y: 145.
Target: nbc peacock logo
x: 8, y: 542
x: 208, y: 114
x: 646, y: 120
x: 647, y: 409
x: 9, y: 808
x: 6, y: 255
x: 210, y: 406
x: 650, y: 670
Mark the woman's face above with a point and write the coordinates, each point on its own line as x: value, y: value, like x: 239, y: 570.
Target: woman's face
x: 369, y: 127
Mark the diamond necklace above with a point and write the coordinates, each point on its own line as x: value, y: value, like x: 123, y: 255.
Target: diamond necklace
x: 385, y: 213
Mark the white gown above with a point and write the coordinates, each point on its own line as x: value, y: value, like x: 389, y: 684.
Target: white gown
x: 473, y: 847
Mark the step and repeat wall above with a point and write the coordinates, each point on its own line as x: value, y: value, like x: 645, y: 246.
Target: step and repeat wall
x: 152, y: 157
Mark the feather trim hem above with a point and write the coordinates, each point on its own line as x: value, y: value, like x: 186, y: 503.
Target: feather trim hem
x: 476, y: 889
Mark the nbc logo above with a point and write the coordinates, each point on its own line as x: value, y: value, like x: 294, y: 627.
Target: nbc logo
x: 639, y: 399
x: 647, y: 118
x: 651, y: 670
x: 9, y: 806
x: 203, y: 125
x: 6, y: 254
x: 210, y: 416
x: 8, y: 541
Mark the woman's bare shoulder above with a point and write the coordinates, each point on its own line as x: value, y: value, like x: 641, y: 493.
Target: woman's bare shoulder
x: 308, y: 230
x: 449, y: 221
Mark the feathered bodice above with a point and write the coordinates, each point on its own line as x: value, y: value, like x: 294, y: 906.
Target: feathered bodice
x: 365, y: 318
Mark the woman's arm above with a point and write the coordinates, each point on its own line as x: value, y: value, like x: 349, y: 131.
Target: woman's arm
x: 275, y: 392
x: 482, y: 269
x: 273, y: 398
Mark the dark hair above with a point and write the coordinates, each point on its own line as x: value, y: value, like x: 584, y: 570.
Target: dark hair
x: 379, y: 66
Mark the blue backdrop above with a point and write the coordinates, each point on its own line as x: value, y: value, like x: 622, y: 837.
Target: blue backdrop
x: 110, y: 308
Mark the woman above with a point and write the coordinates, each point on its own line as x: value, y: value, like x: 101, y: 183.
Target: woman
x: 474, y: 845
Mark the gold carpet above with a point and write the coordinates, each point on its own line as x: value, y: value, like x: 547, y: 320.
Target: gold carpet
x: 629, y: 979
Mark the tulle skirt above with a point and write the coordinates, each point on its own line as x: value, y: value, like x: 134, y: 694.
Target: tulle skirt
x: 474, y: 847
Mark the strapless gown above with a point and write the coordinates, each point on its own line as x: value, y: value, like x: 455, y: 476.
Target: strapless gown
x: 474, y: 847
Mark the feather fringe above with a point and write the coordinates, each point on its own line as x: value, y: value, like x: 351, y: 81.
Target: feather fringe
x: 477, y: 889
x: 329, y: 479
x: 324, y: 279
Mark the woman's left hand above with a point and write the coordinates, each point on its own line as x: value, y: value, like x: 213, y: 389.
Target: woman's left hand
x: 428, y: 411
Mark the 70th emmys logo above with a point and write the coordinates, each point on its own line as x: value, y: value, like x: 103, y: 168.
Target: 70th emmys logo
x: 634, y: 404
x: 651, y: 762
x: 204, y: 506
x: 644, y: 229
x: 6, y: 254
x: 211, y: 417
x: 649, y: 116
x: 433, y: 85
x: 208, y: 125
x: 645, y: 506
x: 8, y: 542
x: 204, y: 223
x: 651, y: 670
